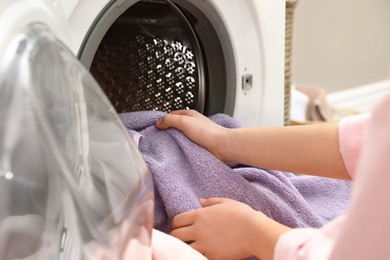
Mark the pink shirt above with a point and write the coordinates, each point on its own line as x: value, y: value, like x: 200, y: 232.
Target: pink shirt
x: 364, y: 231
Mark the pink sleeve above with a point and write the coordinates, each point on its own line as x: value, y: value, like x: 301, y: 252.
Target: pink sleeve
x: 308, y: 243
x: 317, y: 243
x: 364, y: 232
x: 351, y: 132
x: 290, y: 245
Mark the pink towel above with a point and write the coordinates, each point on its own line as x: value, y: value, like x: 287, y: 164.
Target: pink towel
x: 163, y: 247
x: 167, y: 247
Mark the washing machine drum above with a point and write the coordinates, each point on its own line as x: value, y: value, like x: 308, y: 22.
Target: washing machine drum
x: 152, y: 58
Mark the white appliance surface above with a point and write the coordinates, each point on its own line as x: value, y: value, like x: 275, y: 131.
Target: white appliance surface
x: 16, y: 15
x: 256, y: 31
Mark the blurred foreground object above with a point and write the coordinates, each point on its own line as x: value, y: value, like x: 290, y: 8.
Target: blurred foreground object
x: 73, y: 185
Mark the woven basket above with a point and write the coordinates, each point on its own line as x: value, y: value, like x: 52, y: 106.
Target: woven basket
x: 290, y: 9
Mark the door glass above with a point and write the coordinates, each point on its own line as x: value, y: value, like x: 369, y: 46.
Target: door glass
x: 73, y: 185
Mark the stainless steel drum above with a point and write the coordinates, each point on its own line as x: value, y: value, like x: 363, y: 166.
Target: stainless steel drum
x: 151, y: 55
x: 150, y: 59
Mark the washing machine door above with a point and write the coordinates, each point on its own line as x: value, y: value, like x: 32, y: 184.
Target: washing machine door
x: 72, y: 183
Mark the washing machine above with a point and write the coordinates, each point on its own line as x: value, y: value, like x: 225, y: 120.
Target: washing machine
x: 57, y: 196
x: 215, y: 56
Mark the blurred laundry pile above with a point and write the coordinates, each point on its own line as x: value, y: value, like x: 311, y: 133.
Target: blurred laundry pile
x: 309, y: 105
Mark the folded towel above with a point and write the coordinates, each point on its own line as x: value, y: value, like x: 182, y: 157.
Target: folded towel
x: 318, y: 108
x: 167, y: 247
x: 183, y: 172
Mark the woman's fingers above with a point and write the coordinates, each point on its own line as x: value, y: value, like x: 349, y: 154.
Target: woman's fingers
x: 196, y: 127
x: 185, y: 234
x: 197, y: 246
x: 182, y: 226
x: 177, y: 119
x: 183, y: 220
x: 185, y: 112
x: 212, y: 201
x: 171, y: 120
x: 188, y: 218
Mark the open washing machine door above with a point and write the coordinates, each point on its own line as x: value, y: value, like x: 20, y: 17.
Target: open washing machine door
x: 213, y: 56
x: 73, y: 185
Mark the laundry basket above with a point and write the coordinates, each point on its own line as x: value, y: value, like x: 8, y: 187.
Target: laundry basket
x: 319, y: 110
x: 290, y: 10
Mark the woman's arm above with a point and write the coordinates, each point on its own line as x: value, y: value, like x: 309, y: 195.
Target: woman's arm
x: 309, y: 149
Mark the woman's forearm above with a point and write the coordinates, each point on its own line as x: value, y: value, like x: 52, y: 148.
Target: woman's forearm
x: 308, y: 149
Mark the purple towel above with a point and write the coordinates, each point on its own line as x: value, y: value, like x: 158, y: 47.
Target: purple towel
x: 183, y: 172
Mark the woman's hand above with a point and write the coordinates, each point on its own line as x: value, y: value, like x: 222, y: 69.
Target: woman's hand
x: 308, y: 149
x: 198, y: 128
x: 228, y: 229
